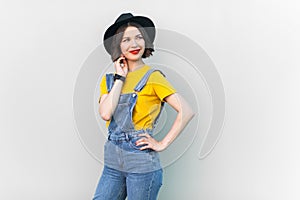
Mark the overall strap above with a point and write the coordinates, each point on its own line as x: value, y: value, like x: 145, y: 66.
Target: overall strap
x: 141, y: 84
x: 109, y: 81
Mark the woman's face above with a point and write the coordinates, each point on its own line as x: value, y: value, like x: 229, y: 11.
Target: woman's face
x: 132, y: 44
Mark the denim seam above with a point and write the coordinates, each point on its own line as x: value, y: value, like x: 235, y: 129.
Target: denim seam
x: 150, y: 186
x: 120, y: 194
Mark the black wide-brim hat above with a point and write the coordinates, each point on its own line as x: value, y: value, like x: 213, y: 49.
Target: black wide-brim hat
x: 123, y: 19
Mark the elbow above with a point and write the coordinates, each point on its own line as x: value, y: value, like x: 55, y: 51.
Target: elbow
x: 191, y: 114
x: 105, y: 116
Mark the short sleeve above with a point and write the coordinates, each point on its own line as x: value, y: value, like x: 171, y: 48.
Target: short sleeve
x: 161, y: 86
x: 103, y: 88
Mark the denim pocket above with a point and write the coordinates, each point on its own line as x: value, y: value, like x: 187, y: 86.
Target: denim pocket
x: 132, y: 143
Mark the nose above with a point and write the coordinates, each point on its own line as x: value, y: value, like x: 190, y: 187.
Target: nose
x: 134, y: 43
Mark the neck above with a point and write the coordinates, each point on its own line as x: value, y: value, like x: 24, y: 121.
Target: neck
x: 134, y: 65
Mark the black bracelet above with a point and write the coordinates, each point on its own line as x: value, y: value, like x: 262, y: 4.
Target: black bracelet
x: 117, y: 76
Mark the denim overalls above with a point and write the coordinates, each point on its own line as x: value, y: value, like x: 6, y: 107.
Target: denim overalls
x: 120, y: 151
x: 128, y: 171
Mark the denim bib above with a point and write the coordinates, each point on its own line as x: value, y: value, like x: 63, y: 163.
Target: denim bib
x: 120, y: 151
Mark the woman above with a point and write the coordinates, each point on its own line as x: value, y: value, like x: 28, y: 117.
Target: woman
x: 131, y: 101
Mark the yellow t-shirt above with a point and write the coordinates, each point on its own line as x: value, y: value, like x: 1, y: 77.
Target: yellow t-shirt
x: 149, y: 98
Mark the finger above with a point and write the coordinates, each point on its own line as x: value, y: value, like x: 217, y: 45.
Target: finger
x: 138, y: 142
x: 145, y: 147
x: 142, y: 142
x: 117, y: 62
x: 121, y: 57
x: 144, y: 135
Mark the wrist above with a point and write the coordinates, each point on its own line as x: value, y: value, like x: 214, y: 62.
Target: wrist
x: 119, y: 77
x: 164, y: 144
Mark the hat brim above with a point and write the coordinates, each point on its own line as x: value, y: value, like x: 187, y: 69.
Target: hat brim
x: 143, y: 21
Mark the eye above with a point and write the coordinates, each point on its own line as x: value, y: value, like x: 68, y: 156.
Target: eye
x: 125, y: 40
x: 139, y: 37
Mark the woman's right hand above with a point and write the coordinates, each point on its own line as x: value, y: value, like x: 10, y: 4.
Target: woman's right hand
x: 119, y: 69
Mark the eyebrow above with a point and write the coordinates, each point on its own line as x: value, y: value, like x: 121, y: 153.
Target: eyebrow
x: 134, y: 36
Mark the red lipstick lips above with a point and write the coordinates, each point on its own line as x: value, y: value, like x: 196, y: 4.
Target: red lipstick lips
x: 135, y: 51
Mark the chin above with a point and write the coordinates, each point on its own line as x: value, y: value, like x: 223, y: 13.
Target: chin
x: 134, y: 58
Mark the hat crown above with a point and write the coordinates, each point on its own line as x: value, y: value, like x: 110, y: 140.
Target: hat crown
x: 123, y: 17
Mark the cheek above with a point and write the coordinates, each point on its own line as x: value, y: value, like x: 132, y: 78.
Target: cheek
x: 123, y: 48
x: 142, y: 43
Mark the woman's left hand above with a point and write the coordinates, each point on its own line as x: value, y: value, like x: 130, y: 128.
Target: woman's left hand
x: 149, y: 142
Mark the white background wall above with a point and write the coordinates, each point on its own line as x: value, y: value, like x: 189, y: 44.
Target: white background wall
x: 254, y: 45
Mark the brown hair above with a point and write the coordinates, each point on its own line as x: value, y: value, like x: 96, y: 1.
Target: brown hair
x: 116, y: 41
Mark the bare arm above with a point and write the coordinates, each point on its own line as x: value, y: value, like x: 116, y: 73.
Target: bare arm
x: 184, y: 115
x: 109, y: 102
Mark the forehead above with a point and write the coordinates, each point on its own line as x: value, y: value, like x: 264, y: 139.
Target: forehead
x: 131, y: 31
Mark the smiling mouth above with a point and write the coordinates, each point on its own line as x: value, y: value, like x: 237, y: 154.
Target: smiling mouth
x: 135, y: 51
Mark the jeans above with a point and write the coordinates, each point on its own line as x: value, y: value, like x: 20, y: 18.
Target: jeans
x: 116, y: 185
x: 122, y: 154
